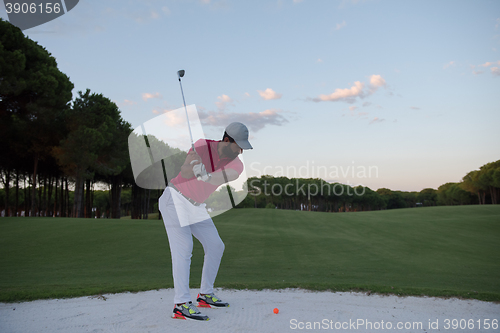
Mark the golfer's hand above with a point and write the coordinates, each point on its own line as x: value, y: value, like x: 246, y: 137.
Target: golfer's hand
x: 193, y: 158
x: 201, y: 173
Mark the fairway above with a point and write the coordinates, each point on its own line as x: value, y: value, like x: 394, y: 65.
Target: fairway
x: 436, y: 251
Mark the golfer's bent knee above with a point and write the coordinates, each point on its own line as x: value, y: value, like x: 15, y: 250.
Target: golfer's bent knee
x: 220, y: 248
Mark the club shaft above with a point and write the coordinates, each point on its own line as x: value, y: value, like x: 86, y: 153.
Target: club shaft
x: 187, y: 117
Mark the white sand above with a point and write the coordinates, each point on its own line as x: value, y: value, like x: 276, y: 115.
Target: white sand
x: 250, y: 311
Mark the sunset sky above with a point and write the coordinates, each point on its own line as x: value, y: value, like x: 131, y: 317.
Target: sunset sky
x: 408, y: 88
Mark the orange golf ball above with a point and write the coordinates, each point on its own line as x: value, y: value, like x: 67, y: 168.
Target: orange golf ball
x: 276, y: 310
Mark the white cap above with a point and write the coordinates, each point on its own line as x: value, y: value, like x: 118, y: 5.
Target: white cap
x: 239, y: 133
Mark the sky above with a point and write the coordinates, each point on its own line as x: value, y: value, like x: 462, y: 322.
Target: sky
x: 387, y: 94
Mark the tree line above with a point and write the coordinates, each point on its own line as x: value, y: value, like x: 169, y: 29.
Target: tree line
x: 55, y: 149
x: 314, y: 194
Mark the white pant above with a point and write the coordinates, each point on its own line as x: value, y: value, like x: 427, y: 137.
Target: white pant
x: 180, y: 237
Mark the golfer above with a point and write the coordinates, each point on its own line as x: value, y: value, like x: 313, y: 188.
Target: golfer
x: 184, y: 214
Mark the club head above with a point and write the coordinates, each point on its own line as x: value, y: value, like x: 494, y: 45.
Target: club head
x: 180, y: 73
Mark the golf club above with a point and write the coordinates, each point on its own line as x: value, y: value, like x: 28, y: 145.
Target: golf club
x: 180, y: 73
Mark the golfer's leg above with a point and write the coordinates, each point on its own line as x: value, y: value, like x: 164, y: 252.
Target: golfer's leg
x: 181, y: 248
x: 213, y: 246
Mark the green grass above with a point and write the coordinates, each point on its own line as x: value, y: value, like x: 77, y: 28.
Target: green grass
x: 151, y: 216
x: 436, y: 251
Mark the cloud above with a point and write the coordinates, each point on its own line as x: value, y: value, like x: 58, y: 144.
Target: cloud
x: 269, y: 94
x: 493, y: 70
x: 125, y: 103
x: 348, y: 94
x: 361, y: 115
x: 376, y: 120
x: 376, y: 81
x: 146, y: 96
x: 365, y: 104
x: 451, y: 63
x: 414, y: 108
x: 172, y: 119
x: 255, y: 121
x: 154, y: 14
x: 488, y: 64
x: 224, y: 100
x: 319, y: 60
x: 358, y: 90
x: 340, y: 26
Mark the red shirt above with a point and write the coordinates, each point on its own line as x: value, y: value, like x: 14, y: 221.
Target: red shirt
x: 198, y: 190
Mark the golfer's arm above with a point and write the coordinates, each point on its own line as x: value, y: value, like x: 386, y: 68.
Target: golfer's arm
x: 218, y: 177
x: 187, y: 170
